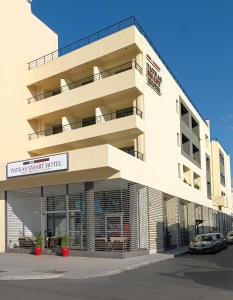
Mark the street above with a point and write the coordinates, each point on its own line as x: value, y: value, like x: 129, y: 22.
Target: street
x: 186, y: 277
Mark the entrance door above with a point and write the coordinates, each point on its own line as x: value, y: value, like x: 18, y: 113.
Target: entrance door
x: 75, y: 229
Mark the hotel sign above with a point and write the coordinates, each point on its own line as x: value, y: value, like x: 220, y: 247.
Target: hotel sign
x: 154, y: 80
x: 46, y: 164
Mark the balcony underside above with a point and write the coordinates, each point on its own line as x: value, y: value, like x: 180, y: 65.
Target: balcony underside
x: 88, y: 164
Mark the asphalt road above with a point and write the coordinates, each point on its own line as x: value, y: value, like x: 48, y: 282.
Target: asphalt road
x: 186, y: 277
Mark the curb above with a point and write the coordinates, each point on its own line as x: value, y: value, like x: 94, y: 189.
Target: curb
x: 29, y: 277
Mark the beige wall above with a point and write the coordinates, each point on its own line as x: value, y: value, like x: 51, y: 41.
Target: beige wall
x: 23, y: 37
x: 218, y: 188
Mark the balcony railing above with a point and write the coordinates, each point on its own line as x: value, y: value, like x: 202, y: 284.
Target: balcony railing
x: 136, y: 154
x: 73, y: 85
x: 87, y: 122
x: 82, y: 42
x: 126, y: 23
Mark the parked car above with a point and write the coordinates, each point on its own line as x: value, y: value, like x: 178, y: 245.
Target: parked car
x: 222, y: 239
x: 230, y: 237
x: 205, y: 243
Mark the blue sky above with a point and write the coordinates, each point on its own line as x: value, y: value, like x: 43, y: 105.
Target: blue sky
x: 194, y: 37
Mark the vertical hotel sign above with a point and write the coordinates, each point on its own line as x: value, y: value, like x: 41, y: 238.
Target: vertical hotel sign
x: 154, y: 79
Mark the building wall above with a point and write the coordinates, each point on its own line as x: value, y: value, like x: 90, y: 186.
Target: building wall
x: 91, y: 150
x: 22, y: 37
x: 225, y: 201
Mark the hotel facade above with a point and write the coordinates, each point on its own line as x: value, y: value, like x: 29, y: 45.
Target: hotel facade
x: 103, y: 144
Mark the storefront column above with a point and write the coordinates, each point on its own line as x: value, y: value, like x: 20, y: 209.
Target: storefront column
x: 156, y: 220
x: 173, y: 222
x: 191, y: 220
x: 206, y: 221
x: 90, y: 225
x: 2, y: 221
x: 133, y: 217
x: 42, y: 218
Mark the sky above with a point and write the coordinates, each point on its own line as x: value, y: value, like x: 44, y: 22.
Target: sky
x: 195, y: 37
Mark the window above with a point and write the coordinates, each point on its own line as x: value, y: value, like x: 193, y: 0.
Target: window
x: 88, y: 121
x: 178, y: 139
x: 196, y: 181
x: 195, y: 127
x: 177, y: 106
x: 208, y: 190
x: 221, y: 158
x: 185, y: 144
x: 186, y: 175
x: 57, y: 128
x: 129, y: 150
x: 207, y: 141
x: 207, y: 163
x: 196, y: 154
x: 222, y: 179
x: 124, y: 112
x: 179, y: 170
x: 184, y: 114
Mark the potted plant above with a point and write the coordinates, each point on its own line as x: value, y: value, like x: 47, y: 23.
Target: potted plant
x: 38, y: 241
x: 65, y: 245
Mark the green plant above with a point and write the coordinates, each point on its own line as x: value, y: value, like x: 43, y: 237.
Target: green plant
x: 65, y: 241
x: 38, y: 240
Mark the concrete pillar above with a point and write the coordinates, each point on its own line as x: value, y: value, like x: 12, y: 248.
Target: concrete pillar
x: 64, y: 85
x: 96, y: 72
x: 42, y: 217
x: 143, y: 217
x: 69, y: 123
x: 90, y: 221
x: 133, y: 217
x: 2, y: 221
x: 156, y: 220
x: 191, y: 220
x: 172, y: 209
x: 103, y: 115
x: 206, y: 221
x: 211, y: 219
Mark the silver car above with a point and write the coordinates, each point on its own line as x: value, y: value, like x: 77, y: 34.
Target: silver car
x: 205, y: 243
x: 230, y: 237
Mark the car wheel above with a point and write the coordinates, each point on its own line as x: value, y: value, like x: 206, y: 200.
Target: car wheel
x: 214, y: 250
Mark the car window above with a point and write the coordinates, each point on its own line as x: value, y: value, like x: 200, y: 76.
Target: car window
x: 218, y: 236
x: 203, y: 238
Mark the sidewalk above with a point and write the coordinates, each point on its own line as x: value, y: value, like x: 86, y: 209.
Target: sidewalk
x: 25, y: 266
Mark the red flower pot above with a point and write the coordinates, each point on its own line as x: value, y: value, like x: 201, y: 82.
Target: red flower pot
x: 64, y: 252
x: 37, y: 251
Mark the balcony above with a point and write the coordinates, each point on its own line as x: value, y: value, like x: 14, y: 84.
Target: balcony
x: 87, y: 122
x: 85, y: 41
x: 121, y: 125
x: 87, y: 80
x: 87, y: 164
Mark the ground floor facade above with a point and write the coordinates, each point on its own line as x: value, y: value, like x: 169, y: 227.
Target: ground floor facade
x: 114, y: 216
